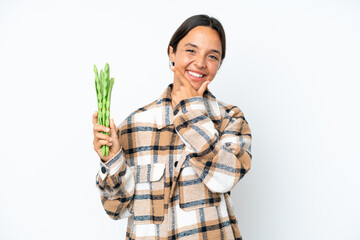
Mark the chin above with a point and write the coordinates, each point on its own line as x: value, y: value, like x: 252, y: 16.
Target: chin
x: 196, y: 86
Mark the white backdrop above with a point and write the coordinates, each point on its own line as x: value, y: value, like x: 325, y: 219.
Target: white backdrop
x: 291, y: 66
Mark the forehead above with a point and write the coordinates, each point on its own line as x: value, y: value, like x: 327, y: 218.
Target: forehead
x: 203, y: 37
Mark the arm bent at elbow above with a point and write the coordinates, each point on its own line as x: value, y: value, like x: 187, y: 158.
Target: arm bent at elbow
x: 220, y: 156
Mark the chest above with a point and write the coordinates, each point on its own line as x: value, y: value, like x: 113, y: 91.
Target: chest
x: 146, y: 144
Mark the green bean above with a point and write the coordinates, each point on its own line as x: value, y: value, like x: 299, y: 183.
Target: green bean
x: 103, y: 86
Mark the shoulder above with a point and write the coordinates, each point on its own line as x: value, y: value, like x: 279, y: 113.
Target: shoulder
x: 142, y: 113
x: 230, y: 110
x: 233, y: 120
x: 219, y: 107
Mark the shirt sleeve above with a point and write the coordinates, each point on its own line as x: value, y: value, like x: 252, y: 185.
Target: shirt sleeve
x: 116, y: 184
x: 220, y: 156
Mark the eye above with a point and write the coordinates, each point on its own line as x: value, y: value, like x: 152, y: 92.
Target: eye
x: 214, y: 57
x: 190, y: 50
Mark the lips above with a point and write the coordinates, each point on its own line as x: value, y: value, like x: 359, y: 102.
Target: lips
x: 195, y: 75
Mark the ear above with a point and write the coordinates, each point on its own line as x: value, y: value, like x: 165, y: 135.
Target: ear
x: 172, y: 55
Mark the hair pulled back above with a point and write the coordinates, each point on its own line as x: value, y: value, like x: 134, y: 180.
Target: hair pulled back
x: 195, y: 21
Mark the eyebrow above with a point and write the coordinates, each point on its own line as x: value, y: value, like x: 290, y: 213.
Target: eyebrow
x: 212, y: 50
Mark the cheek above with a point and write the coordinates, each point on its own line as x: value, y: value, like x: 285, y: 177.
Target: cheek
x: 213, y: 69
x: 183, y: 59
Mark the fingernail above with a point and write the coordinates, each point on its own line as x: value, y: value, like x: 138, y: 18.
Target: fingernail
x: 110, y: 139
x: 107, y: 129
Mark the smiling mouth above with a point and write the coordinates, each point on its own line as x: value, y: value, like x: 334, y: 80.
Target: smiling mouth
x: 195, y: 76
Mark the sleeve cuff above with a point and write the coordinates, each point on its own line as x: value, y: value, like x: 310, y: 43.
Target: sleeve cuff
x: 111, y: 166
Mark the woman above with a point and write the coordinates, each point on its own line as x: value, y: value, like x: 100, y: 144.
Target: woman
x: 173, y: 162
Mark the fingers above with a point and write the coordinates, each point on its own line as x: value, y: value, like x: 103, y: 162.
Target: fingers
x: 101, y: 139
x: 99, y: 133
x: 98, y: 144
x: 102, y: 136
x: 95, y: 118
x: 100, y: 128
x: 203, y: 88
x: 180, y: 77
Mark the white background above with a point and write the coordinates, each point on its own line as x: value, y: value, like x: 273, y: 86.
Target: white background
x: 291, y: 66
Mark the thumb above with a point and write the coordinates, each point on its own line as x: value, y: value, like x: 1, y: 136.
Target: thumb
x: 115, y: 135
x: 203, y: 88
x: 113, y: 129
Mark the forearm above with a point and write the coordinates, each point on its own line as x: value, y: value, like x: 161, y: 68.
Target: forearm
x: 220, y: 158
x: 116, y: 184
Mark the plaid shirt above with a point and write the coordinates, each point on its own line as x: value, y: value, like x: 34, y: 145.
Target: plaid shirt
x: 176, y: 167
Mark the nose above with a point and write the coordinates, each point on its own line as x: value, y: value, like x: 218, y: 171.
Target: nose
x: 200, y: 61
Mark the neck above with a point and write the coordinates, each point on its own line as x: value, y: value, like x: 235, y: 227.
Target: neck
x: 175, y: 86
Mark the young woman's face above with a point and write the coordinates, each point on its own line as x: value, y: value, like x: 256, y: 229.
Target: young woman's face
x: 198, y: 55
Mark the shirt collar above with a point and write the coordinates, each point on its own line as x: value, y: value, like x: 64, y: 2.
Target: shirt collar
x: 164, y: 116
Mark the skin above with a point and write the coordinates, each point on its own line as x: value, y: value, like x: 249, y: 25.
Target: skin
x: 198, y: 51
x: 102, y: 139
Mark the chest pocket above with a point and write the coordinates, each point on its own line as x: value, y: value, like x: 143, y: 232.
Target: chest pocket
x: 193, y: 192
x: 149, y: 193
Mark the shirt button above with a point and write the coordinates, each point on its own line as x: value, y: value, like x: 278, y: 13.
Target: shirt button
x: 103, y: 170
x: 175, y: 163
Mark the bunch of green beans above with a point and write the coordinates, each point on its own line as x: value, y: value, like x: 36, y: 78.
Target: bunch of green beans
x: 103, y: 86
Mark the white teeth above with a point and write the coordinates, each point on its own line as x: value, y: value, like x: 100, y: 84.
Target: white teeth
x: 195, y: 74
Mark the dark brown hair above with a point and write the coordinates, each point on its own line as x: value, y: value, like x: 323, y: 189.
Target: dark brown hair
x: 194, y: 21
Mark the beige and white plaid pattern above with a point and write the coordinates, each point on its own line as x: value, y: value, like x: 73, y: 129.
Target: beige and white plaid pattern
x: 174, y: 172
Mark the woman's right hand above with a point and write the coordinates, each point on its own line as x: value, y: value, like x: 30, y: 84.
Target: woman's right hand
x: 102, y: 139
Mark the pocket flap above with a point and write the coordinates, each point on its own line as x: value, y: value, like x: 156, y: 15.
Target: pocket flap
x: 149, y: 172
